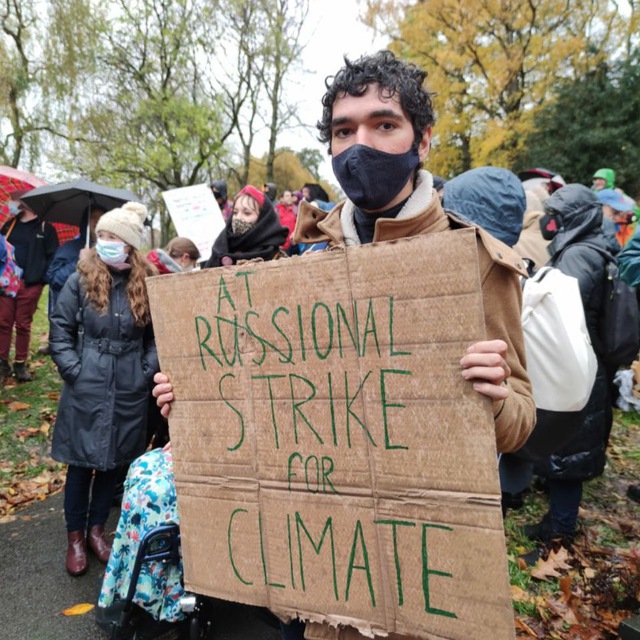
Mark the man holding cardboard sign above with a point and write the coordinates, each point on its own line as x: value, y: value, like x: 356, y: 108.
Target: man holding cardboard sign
x: 351, y: 364
x: 377, y: 120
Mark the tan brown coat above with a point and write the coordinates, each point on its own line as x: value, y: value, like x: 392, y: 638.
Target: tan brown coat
x: 499, y: 270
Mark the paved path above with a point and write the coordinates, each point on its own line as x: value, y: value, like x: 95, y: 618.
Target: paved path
x: 35, y: 587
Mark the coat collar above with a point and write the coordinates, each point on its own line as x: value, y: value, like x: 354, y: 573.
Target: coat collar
x: 421, y: 211
x: 421, y: 214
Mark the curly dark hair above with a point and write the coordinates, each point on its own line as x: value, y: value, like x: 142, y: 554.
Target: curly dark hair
x: 393, y: 77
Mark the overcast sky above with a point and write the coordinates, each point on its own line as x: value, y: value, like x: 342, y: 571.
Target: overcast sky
x: 333, y: 30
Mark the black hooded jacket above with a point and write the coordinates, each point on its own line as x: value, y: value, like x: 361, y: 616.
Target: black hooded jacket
x: 579, y: 215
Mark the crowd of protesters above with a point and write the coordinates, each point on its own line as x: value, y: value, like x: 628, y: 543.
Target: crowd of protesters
x: 377, y: 121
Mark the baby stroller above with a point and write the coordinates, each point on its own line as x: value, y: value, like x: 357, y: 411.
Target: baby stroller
x: 126, y: 621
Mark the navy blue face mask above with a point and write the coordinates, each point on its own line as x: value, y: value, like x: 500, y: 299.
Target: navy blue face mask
x: 371, y: 178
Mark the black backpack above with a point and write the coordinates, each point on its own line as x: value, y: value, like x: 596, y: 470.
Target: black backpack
x: 618, y: 328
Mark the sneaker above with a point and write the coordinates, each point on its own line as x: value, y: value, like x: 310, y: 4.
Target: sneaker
x: 633, y: 492
x: 21, y: 372
x: 5, y: 370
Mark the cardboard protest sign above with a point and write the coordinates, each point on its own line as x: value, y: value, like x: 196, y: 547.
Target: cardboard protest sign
x: 330, y: 460
x: 195, y: 215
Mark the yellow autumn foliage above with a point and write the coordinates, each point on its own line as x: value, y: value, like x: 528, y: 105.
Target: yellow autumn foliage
x: 493, y: 63
x: 288, y: 171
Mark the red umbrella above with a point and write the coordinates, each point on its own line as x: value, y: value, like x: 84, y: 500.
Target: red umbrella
x: 16, y: 180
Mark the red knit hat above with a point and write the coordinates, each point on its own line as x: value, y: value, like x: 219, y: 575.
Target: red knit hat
x: 252, y: 192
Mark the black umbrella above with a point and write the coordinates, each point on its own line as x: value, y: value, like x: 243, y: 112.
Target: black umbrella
x: 71, y: 202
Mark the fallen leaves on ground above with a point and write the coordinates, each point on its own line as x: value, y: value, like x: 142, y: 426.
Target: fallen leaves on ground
x: 550, y: 567
x: 18, y: 406
x: 585, y: 592
x: 78, y: 609
x: 27, y: 433
x: 523, y: 626
x: 598, y: 588
x: 22, y: 491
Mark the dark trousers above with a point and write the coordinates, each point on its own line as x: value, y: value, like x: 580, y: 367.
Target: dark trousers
x: 293, y: 630
x: 18, y: 312
x: 564, y: 502
x: 88, y: 495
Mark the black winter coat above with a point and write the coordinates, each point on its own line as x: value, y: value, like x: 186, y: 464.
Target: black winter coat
x: 581, y: 224
x: 107, y: 371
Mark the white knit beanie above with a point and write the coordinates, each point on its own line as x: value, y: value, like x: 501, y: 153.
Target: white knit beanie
x: 126, y: 223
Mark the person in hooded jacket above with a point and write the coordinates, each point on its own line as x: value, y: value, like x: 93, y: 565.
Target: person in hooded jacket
x: 252, y: 231
x: 494, y: 199
x: 103, y: 346
x: 573, y: 222
x: 490, y: 197
x: 219, y: 189
x: 603, y: 179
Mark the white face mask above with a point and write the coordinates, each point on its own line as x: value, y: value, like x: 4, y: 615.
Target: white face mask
x: 111, y: 251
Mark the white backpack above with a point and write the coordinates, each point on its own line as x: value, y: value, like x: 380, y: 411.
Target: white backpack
x: 561, y: 362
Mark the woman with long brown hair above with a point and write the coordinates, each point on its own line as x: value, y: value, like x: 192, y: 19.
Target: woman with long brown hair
x: 102, y: 343
x: 252, y: 231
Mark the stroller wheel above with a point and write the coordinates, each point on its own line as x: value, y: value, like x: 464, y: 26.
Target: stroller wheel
x: 200, y: 624
x: 198, y: 630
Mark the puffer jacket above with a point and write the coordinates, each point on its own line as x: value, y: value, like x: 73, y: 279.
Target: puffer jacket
x: 107, y: 364
x: 580, y: 217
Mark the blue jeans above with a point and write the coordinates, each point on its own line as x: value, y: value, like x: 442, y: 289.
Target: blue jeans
x: 88, y: 495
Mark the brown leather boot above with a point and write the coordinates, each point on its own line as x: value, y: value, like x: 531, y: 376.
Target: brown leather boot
x: 77, y: 562
x: 98, y: 543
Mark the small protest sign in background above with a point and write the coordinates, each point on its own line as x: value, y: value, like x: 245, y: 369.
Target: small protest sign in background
x: 330, y: 460
x: 195, y: 215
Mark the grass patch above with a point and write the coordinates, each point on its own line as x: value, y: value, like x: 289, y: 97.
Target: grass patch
x: 27, y: 414
x: 603, y: 584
